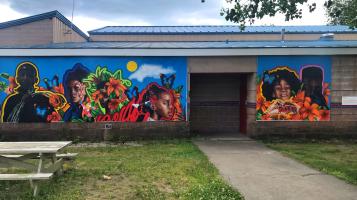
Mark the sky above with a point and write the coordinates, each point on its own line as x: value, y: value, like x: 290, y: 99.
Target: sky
x: 90, y: 15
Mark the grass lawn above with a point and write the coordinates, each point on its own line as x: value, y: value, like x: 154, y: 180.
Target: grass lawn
x: 335, y: 157
x: 172, y: 169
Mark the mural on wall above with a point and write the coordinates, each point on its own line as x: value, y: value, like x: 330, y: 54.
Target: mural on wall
x: 83, y: 89
x: 293, y: 88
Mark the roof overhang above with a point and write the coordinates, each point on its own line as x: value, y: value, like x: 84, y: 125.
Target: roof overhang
x: 179, y: 52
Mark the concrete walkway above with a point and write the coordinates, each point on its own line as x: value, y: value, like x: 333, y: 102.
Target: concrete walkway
x: 261, y: 173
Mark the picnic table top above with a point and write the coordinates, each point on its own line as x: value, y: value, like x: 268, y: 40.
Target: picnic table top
x: 32, y: 147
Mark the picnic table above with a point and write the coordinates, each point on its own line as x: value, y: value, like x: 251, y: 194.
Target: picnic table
x: 17, y: 154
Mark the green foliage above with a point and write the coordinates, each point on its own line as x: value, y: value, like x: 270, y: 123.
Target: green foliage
x: 100, y: 81
x: 5, y: 76
x: 103, y: 75
x: 3, y: 86
x: 213, y: 190
x: 242, y: 12
x: 343, y: 12
x: 248, y: 11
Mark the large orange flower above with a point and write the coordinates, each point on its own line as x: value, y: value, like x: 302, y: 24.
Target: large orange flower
x: 299, y: 98
x: 262, y: 104
x: 115, y: 85
x: 114, y: 103
x: 97, y: 96
x: 324, y: 115
x: 309, y: 111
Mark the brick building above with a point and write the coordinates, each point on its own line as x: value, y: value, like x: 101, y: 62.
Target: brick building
x: 263, y: 80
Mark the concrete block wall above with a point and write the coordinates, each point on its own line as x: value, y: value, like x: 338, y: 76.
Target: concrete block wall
x: 94, y: 132
x: 343, y: 118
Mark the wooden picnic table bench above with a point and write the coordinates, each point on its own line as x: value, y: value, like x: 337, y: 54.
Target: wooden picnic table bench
x: 15, y: 154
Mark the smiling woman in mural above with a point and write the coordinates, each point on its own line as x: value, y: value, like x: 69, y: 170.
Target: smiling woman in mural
x: 279, y: 86
x: 27, y: 103
x: 280, y: 83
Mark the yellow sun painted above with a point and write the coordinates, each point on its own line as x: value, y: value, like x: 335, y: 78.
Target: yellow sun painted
x: 132, y: 66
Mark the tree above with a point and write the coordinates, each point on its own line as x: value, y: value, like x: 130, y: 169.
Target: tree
x: 242, y: 12
x: 343, y: 12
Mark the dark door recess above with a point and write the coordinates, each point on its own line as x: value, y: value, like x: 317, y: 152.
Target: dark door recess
x: 215, y: 103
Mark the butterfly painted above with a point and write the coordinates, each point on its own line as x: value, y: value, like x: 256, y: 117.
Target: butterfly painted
x: 268, y: 78
x: 50, y: 83
x: 41, y: 111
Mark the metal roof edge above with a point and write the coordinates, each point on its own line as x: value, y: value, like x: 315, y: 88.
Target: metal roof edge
x: 177, y: 52
x: 215, y: 33
x: 101, y: 31
x: 25, y: 20
x: 70, y: 24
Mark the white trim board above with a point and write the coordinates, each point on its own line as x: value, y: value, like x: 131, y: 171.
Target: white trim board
x: 178, y: 52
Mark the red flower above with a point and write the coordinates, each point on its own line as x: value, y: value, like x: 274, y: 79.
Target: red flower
x: 55, y: 100
x: 115, y: 85
x: 299, y: 98
x: 324, y: 115
x: 54, y: 117
x: 114, y: 104
x: 97, y: 96
x: 59, y: 89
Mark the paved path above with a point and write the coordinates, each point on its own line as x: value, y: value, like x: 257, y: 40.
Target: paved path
x: 260, y: 173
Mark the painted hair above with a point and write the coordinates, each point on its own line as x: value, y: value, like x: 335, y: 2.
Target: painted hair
x: 152, y: 94
x: 78, y: 72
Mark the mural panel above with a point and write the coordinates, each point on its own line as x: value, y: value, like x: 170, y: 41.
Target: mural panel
x: 293, y: 88
x: 93, y: 89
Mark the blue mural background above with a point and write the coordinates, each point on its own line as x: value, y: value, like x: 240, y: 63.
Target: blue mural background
x: 48, y: 67
x: 295, y: 63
